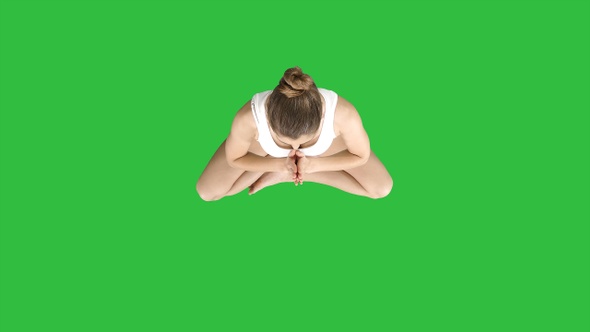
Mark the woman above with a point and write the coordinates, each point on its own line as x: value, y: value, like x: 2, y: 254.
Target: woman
x: 295, y: 133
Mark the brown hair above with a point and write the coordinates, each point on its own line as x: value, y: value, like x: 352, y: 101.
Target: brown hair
x: 294, y: 107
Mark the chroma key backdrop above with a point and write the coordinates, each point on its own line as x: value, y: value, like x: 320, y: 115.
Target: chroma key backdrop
x: 110, y: 111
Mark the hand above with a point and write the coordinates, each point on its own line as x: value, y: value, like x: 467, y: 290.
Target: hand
x: 302, y: 166
x: 291, y: 164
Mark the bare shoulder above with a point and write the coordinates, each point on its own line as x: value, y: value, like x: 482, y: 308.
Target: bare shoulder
x: 344, y: 114
x: 243, y: 124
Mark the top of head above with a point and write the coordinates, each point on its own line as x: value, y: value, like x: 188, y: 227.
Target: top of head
x: 294, y: 83
x: 294, y: 109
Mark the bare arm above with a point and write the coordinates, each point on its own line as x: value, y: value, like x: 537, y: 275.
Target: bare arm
x: 243, y: 131
x: 355, y: 138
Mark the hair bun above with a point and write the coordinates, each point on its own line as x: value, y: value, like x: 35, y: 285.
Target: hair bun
x: 294, y: 82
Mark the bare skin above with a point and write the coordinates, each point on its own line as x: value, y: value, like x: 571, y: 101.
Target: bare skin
x: 269, y: 179
x: 349, y: 164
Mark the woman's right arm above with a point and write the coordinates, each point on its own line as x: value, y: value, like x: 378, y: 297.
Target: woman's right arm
x: 243, y: 132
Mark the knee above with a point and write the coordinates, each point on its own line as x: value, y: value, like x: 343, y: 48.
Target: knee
x: 383, y: 189
x: 206, y: 194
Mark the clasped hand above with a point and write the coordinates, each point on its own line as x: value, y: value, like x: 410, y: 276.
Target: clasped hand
x: 297, y: 165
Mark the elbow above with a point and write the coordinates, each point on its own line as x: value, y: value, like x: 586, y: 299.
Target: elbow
x: 236, y: 163
x: 231, y: 162
x: 365, y: 155
x: 364, y: 159
x: 361, y: 159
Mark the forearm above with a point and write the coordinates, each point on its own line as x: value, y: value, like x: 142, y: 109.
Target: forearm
x: 337, y: 162
x: 255, y: 163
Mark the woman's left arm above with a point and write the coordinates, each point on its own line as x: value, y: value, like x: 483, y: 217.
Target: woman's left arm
x: 355, y: 137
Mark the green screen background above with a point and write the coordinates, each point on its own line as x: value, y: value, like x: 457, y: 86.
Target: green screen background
x: 110, y: 110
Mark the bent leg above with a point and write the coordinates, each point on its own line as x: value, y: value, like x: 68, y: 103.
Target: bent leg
x: 337, y: 179
x: 373, y: 177
x: 219, y: 179
x: 370, y: 180
x: 243, y: 182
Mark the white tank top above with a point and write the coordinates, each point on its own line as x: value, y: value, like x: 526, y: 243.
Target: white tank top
x: 265, y: 139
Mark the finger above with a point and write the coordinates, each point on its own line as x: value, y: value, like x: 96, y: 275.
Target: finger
x: 299, y: 154
x: 292, y: 153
